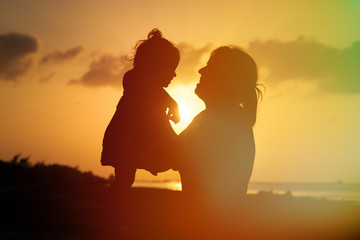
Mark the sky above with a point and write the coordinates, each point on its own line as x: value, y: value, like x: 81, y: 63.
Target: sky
x: 61, y: 67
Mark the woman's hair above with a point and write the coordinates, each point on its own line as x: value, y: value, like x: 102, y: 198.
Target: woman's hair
x: 153, y: 52
x: 240, y: 75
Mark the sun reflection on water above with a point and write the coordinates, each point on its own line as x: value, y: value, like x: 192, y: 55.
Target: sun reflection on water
x: 176, y: 186
x: 170, y: 185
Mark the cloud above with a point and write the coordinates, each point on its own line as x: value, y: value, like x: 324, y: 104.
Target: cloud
x: 58, y: 57
x: 16, y: 55
x: 191, y: 59
x: 46, y: 78
x: 106, y: 70
x: 335, y: 70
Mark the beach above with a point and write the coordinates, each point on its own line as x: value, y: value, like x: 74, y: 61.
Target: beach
x: 58, y: 202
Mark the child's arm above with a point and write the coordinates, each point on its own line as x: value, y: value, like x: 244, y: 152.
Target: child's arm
x: 173, y: 112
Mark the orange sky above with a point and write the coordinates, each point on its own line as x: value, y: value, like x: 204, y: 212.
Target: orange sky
x: 308, y: 53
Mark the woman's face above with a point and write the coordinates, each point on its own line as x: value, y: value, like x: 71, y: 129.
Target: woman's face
x: 228, y: 77
x: 216, y: 85
x: 211, y: 76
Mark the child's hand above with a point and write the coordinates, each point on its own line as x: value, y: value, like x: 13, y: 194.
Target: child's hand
x: 173, y: 108
x: 174, y: 114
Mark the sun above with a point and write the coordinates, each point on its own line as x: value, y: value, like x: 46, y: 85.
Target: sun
x: 184, y: 112
x: 189, y: 105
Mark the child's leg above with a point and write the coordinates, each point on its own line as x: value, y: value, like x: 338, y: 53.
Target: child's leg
x: 119, y: 204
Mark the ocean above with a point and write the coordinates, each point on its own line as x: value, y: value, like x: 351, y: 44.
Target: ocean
x: 333, y: 191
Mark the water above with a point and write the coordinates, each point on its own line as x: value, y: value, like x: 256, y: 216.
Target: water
x: 332, y: 191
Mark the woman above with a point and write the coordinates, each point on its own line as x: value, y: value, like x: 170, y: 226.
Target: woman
x: 219, y: 143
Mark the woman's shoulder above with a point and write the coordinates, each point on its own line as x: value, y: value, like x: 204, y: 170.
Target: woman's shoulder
x: 194, y: 124
x: 229, y: 114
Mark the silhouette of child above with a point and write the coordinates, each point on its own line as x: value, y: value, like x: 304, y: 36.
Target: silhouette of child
x: 139, y: 136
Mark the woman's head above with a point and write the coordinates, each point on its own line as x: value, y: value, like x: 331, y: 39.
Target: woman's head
x: 230, y: 77
x: 156, y: 58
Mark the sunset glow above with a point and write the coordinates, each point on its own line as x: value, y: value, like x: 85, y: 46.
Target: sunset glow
x: 59, y: 90
x: 184, y: 112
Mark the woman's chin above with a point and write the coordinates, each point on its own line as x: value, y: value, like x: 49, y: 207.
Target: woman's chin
x: 198, y: 91
x: 166, y: 84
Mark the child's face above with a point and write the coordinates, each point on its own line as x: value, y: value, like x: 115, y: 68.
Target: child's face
x: 166, y: 72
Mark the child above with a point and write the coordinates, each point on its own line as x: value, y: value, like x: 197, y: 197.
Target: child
x: 139, y: 136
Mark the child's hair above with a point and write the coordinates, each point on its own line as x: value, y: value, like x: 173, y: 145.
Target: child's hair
x: 154, y: 52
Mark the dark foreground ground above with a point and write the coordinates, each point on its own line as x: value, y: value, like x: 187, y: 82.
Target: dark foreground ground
x: 58, y: 202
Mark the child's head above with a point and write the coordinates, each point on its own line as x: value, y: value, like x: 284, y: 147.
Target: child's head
x: 156, y: 58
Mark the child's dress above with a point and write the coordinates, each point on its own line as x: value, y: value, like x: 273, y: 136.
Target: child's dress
x: 139, y: 136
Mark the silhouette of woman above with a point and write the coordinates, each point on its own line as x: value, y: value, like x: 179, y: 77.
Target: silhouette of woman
x: 139, y: 136
x: 219, y: 143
